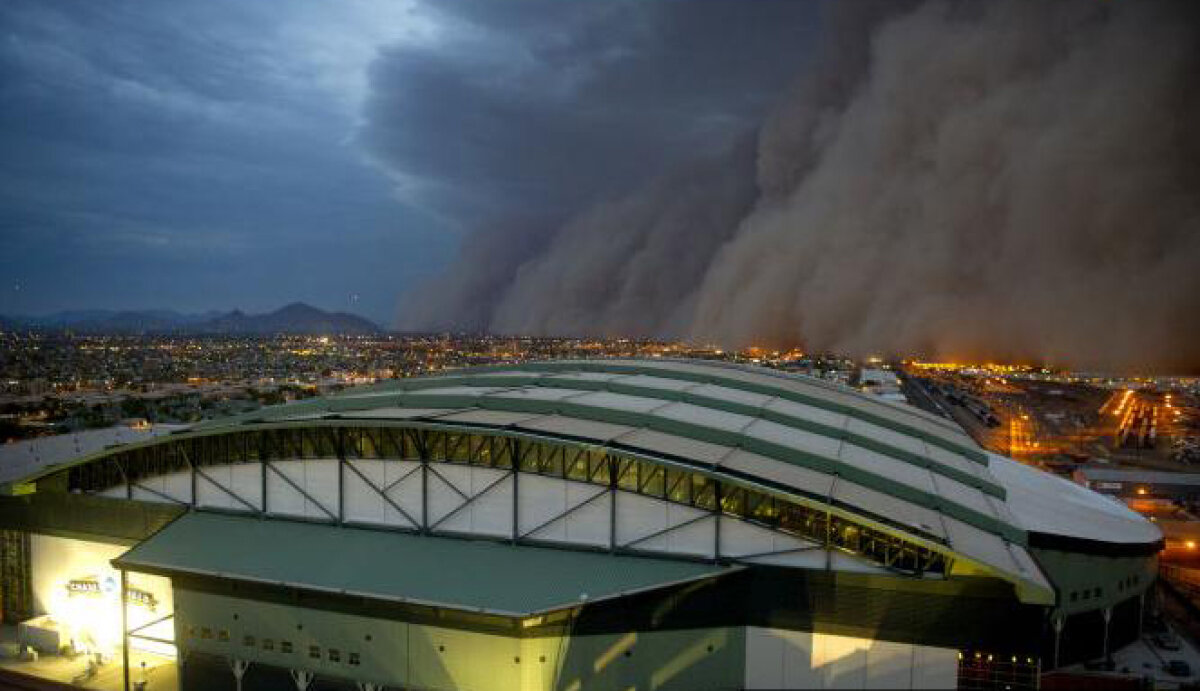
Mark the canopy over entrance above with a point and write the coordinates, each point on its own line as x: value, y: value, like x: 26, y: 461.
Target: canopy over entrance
x: 474, y: 575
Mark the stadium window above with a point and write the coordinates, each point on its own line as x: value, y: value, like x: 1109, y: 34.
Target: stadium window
x: 314, y: 651
x: 223, y: 636
x: 206, y: 633
x: 285, y: 646
x: 335, y: 655
x: 248, y: 641
x: 268, y: 644
x: 354, y: 659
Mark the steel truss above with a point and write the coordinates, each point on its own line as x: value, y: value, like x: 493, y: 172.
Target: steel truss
x: 614, y: 473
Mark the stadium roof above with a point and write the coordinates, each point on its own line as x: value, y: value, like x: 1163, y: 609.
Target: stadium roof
x: 23, y: 459
x: 801, y: 438
x: 482, y: 576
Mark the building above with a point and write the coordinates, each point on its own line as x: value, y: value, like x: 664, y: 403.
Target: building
x: 603, y: 524
x: 881, y: 382
x: 1136, y: 483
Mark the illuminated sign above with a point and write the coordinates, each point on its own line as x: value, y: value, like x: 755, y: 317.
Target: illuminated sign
x: 94, y: 587
x: 84, y: 586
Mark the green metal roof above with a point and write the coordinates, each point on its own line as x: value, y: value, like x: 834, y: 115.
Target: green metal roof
x: 718, y: 404
x: 474, y: 575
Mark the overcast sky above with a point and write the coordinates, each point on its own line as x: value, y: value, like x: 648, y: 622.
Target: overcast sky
x: 213, y: 154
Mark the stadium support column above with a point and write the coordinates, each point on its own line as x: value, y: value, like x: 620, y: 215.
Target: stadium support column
x: 1107, y: 618
x: 613, y: 468
x: 717, y: 523
x: 514, y: 453
x: 124, y: 629
x: 1059, y: 622
x: 1141, y: 612
x: 340, y: 446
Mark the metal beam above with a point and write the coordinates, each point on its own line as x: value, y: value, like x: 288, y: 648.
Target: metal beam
x: 794, y: 550
x: 470, y: 501
x: 159, y: 494
x: 566, y: 513
x: 304, y: 494
x: 125, y: 628
x: 664, y: 531
x: 383, y: 494
x: 392, y: 485
x: 147, y: 625
x: 449, y: 484
x: 227, y: 491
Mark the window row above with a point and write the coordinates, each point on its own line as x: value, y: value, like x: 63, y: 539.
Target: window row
x: 315, y: 652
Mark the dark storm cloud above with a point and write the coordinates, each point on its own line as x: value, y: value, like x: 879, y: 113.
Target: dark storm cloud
x: 1011, y: 180
x: 524, y: 113
x: 194, y: 156
x: 537, y: 107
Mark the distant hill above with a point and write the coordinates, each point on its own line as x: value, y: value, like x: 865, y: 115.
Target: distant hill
x: 296, y: 318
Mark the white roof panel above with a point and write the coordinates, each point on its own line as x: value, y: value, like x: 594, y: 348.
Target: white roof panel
x: 982, y: 546
x: 533, y: 393
x: 398, y: 413
x: 886, y: 466
x: 724, y: 393
x: 786, y: 474
x: 959, y: 462
x: 619, y: 401
x: 495, y: 418
x: 887, y: 506
x: 574, y: 427
x: 958, y: 493
x: 884, y: 435
x: 657, y: 383
x: 567, y: 377
x: 807, y: 412
x: 1044, y: 503
x: 704, y: 417
x: 791, y: 437
x: 21, y: 459
x: 682, y: 447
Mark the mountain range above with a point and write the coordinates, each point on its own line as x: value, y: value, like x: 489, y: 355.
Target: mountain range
x: 296, y: 318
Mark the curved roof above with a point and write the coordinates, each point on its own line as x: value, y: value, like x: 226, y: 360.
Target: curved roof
x: 792, y: 435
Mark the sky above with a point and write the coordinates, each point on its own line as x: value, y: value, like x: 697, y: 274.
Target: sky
x: 219, y: 154
x: 996, y: 180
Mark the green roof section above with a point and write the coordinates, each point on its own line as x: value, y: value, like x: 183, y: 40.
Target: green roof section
x: 514, y: 389
x: 470, y: 575
x: 760, y: 380
x: 408, y: 387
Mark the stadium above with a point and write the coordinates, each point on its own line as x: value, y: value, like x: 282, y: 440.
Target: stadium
x: 583, y: 524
